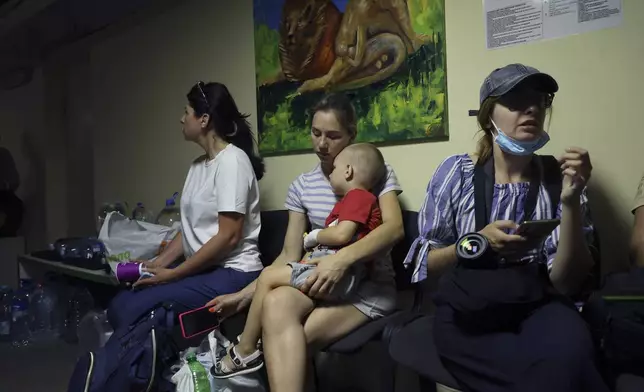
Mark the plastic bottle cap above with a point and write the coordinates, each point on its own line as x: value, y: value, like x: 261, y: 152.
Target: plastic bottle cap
x: 171, y: 201
x: 139, y: 204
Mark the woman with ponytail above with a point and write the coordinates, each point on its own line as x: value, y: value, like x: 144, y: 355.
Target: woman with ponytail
x: 220, y: 215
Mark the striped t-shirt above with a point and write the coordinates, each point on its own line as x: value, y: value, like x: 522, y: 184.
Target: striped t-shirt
x: 448, y: 212
x: 311, y: 194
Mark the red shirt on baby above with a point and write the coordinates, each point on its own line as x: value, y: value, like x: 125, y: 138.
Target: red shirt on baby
x: 358, y: 206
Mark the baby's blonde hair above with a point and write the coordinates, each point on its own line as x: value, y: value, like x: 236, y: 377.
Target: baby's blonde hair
x: 368, y: 164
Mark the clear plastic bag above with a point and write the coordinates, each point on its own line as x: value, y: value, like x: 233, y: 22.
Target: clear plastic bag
x: 183, y: 379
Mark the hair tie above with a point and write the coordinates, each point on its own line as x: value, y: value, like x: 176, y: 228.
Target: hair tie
x: 234, y: 132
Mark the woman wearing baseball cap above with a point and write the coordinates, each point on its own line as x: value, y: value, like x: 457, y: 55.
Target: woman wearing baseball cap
x: 507, y: 325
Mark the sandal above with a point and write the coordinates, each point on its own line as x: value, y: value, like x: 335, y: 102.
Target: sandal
x: 241, y: 365
x: 236, y: 342
x: 238, y: 339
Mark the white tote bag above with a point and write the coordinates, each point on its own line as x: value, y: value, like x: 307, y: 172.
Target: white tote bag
x: 126, y: 239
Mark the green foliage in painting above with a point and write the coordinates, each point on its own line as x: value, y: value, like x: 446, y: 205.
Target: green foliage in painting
x: 428, y: 16
x: 267, y: 61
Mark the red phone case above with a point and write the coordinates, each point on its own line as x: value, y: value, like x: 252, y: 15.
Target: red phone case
x: 183, y: 332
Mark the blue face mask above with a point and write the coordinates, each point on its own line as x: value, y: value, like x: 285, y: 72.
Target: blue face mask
x: 518, y: 147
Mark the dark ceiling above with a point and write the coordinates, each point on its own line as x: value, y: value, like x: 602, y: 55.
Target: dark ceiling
x: 28, y: 33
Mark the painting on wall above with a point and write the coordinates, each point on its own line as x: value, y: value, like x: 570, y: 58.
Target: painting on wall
x: 387, y: 55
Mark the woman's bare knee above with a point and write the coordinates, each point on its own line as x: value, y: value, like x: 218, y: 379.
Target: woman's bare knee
x: 284, y: 305
x: 275, y: 276
x: 330, y: 323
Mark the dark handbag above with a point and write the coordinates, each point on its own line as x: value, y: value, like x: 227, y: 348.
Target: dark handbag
x: 615, y: 315
x: 486, y: 293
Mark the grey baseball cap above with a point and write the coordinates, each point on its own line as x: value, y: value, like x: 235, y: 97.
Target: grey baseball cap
x: 502, y: 80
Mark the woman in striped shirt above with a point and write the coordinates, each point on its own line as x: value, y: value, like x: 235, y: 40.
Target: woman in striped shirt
x: 550, y: 349
x: 293, y: 320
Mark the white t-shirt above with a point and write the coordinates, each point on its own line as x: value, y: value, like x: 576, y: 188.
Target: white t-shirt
x: 226, y: 183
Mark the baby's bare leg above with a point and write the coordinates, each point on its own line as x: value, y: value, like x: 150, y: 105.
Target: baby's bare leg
x: 270, y: 278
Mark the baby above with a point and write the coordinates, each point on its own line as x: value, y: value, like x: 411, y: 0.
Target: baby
x: 356, y: 170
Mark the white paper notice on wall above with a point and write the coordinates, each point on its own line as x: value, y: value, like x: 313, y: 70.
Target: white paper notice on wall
x: 514, y: 22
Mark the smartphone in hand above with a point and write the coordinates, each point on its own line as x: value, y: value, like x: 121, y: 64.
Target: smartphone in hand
x: 537, y: 230
x: 198, y: 321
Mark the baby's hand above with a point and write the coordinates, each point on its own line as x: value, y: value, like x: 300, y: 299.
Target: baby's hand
x: 311, y: 239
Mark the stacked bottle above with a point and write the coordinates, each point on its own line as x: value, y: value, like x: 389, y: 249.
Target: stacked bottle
x: 45, y: 314
x: 20, y: 318
x: 142, y: 214
x: 79, y: 303
x: 6, y: 295
x: 170, y: 216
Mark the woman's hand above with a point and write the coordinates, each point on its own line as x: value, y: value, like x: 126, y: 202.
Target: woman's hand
x: 576, y: 169
x: 330, y: 269
x: 500, y: 241
x: 229, y: 304
x: 146, y: 263
x: 160, y: 275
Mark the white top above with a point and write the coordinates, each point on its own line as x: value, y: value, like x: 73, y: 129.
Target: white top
x: 226, y: 183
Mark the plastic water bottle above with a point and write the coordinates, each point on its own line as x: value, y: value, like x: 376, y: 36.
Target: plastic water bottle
x: 43, y: 312
x: 85, y: 248
x: 58, y: 285
x: 5, y: 313
x: 170, y: 216
x: 27, y: 286
x: 78, y: 248
x: 82, y: 252
x: 106, y: 208
x: 20, y: 320
x: 199, y: 375
x: 142, y: 214
x: 79, y: 304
